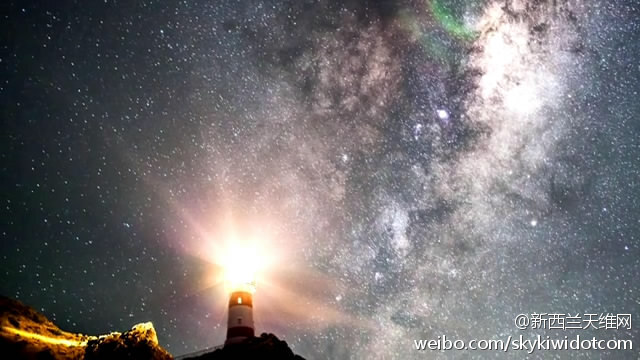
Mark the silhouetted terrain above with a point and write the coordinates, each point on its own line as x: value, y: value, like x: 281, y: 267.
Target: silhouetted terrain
x: 28, y: 334
x: 265, y: 347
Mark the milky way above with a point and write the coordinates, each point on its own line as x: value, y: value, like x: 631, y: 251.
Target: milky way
x: 414, y: 169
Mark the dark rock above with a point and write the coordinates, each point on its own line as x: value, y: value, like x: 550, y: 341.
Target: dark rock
x: 141, y: 342
x: 264, y: 347
x: 27, y: 334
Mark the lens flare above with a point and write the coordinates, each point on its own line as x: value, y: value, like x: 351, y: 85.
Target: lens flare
x: 241, y: 265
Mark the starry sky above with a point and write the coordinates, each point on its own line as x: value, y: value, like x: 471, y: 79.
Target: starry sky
x: 408, y: 169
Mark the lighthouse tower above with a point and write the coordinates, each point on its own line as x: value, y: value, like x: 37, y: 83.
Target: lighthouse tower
x: 241, y: 266
x: 240, y: 323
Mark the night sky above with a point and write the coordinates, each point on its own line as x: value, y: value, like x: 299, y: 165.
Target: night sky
x: 409, y: 169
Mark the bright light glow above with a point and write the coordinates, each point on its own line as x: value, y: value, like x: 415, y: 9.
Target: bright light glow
x: 523, y: 99
x: 44, y: 338
x: 241, y: 266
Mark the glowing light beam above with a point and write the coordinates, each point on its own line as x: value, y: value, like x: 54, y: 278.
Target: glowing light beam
x: 241, y: 264
x: 44, y: 338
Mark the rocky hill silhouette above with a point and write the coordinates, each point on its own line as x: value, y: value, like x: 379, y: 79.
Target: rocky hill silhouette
x: 28, y: 334
x: 264, y: 347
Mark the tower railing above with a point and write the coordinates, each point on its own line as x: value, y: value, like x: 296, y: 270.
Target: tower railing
x: 199, y: 352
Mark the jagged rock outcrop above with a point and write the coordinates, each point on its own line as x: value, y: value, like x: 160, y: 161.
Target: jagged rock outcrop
x: 27, y: 334
x: 141, y: 342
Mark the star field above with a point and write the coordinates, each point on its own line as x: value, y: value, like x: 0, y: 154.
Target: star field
x: 413, y: 168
